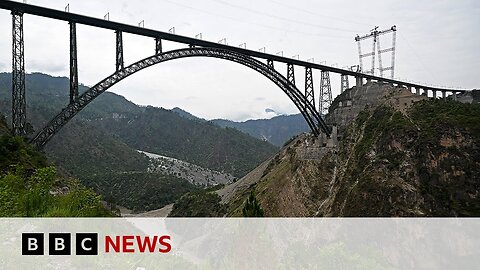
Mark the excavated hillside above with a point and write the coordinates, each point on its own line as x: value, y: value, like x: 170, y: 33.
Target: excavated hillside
x: 397, y: 154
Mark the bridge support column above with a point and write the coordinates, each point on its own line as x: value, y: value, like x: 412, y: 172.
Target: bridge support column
x: 158, y: 46
x: 344, y: 83
x: 291, y: 73
x: 434, y: 94
x: 18, y: 75
x: 325, y: 93
x: 119, y: 50
x: 309, y: 93
x: 358, y: 81
x: 417, y: 91
x: 444, y: 95
x: 455, y: 96
x: 73, y: 63
x: 270, y: 63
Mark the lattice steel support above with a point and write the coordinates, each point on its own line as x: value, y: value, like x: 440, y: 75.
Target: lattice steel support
x: 375, y: 35
x: 270, y: 63
x: 158, y: 46
x: 325, y: 93
x: 309, y: 93
x: 18, y: 75
x: 73, y: 63
x: 291, y: 73
x: 119, y: 50
x: 344, y: 83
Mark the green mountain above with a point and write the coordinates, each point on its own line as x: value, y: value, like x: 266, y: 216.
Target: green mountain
x: 276, y: 130
x: 101, y: 141
x: 186, y: 114
x: 31, y: 187
x: 161, y: 131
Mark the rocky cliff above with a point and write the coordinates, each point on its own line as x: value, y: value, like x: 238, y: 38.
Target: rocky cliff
x: 398, y: 154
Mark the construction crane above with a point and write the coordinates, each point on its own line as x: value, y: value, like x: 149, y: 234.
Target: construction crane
x: 375, y: 34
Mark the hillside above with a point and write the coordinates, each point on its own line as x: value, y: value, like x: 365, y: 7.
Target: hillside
x: 276, y: 130
x: 142, y: 128
x: 400, y: 155
x: 89, y: 147
x: 166, y: 133
x: 31, y: 187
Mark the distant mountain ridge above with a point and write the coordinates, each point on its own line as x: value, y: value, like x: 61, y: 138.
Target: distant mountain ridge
x: 276, y: 130
x: 186, y: 114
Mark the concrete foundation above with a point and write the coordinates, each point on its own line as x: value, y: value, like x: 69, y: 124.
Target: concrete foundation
x: 358, y: 81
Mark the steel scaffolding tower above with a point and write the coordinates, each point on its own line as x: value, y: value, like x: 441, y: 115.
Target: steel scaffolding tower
x: 375, y: 34
x: 73, y: 63
x: 325, y: 93
x: 18, y: 75
x: 309, y: 92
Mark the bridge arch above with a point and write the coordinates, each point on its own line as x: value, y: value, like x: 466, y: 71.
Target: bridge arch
x: 309, y: 112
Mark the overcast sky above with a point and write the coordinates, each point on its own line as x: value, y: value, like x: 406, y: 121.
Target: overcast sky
x: 437, y: 43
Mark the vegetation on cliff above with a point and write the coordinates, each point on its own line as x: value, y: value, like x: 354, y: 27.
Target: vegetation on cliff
x: 427, y: 160
x: 423, y: 161
x: 200, y: 203
x: 139, y: 191
x: 29, y: 187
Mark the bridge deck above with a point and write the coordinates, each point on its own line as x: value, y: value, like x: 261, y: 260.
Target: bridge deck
x: 101, y: 23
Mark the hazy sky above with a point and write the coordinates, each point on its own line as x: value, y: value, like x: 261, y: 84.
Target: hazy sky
x: 437, y: 43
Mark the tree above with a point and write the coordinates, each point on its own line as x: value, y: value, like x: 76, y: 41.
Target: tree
x: 252, y: 207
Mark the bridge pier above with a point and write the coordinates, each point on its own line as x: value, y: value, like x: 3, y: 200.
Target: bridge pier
x: 358, y: 81
x: 119, y: 50
x: 291, y: 73
x: 18, y: 75
x: 344, y: 84
x: 444, y: 95
x: 434, y: 94
x: 73, y: 63
x: 309, y: 93
x: 325, y: 93
x: 454, y: 95
x: 270, y: 63
x: 417, y: 91
x: 158, y: 46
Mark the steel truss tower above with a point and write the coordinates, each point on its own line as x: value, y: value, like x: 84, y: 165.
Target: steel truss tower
x: 158, y: 46
x: 119, y: 50
x: 270, y: 63
x: 18, y: 75
x: 309, y: 93
x: 375, y: 34
x: 73, y: 63
x: 291, y: 73
x: 325, y: 93
x: 344, y: 83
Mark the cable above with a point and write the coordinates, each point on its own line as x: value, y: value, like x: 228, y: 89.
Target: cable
x: 419, y: 59
x: 283, y: 18
x: 256, y: 24
x: 317, y: 14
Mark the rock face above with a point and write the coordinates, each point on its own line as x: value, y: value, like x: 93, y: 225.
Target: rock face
x: 351, y: 102
x: 398, y: 155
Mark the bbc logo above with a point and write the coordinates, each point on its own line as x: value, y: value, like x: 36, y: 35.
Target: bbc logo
x: 60, y: 244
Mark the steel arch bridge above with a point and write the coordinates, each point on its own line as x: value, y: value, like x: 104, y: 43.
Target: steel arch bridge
x: 311, y: 115
x: 304, y: 101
